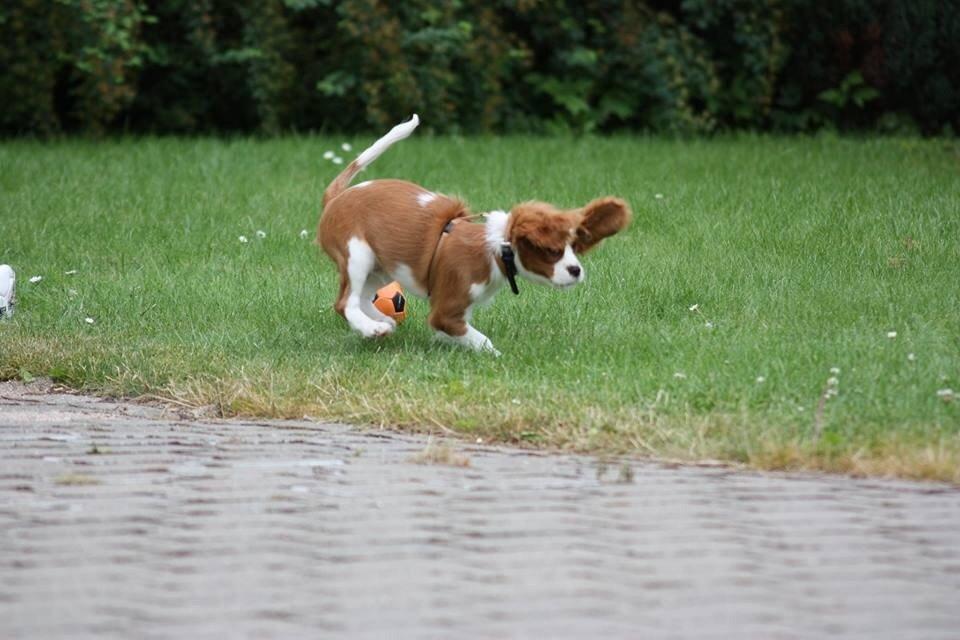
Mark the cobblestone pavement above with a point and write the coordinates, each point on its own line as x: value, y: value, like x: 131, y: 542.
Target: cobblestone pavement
x: 121, y: 521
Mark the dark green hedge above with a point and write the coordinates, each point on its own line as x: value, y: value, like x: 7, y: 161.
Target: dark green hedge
x: 97, y: 66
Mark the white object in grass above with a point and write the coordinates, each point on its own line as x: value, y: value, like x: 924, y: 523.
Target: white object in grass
x: 243, y: 239
x: 304, y: 234
x: 261, y: 234
x: 89, y: 320
x: 36, y: 279
x: 328, y: 155
x: 891, y: 334
x: 346, y: 146
x: 8, y: 282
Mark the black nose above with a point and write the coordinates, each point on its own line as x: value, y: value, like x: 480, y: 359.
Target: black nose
x: 574, y: 271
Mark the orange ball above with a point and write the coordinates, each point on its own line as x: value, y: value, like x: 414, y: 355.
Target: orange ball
x: 390, y: 301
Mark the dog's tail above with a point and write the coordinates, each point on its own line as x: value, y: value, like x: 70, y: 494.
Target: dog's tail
x: 365, y: 159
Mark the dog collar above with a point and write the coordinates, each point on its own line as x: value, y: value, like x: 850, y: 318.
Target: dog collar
x: 510, y: 266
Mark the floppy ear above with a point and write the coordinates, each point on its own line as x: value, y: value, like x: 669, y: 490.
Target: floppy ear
x: 601, y: 219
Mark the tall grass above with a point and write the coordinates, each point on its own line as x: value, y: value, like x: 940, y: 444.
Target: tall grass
x: 709, y: 329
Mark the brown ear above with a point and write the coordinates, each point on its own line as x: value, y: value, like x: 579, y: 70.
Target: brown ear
x: 601, y: 219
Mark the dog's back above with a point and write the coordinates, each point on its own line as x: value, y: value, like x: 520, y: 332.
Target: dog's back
x: 401, y: 221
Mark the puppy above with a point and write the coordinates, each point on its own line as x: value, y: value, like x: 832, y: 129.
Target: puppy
x: 384, y: 230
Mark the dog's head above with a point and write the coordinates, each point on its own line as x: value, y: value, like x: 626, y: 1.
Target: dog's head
x: 547, y: 241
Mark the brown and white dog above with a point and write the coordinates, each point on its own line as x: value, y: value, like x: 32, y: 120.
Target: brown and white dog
x: 384, y: 230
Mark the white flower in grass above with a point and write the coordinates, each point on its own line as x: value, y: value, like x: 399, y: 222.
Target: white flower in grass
x: 680, y: 375
x: 337, y: 160
x: 694, y: 307
x: 346, y: 146
x: 328, y: 155
x: 72, y: 272
x: 831, y: 390
x: 36, y: 279
x: 891, y: 334
x: 89, y: 320
x: 304, y: 234
x: 658, y: 196
x: 946, y: 395
x: 243, y: 239
x: 761, y: 379
x: 911, y: 357
x: 835, y: 370
x: 708, y: 325
x: 261, y: 234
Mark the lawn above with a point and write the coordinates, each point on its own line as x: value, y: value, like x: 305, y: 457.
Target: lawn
x: 782, y: 302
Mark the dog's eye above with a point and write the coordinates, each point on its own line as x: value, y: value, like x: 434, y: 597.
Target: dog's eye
x: 554, y: 254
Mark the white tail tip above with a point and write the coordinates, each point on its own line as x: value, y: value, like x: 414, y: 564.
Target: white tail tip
x: 398, y: 133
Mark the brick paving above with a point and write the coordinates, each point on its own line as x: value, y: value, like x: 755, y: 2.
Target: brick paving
x: 124, y: 521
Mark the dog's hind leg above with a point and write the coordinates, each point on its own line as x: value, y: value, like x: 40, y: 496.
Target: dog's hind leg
x: 361, y: 263
x: 340, y: 306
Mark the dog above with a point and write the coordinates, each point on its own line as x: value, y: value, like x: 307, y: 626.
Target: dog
x: 383, y: 230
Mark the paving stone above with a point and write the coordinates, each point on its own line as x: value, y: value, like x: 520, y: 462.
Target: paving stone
x: 126, y: 521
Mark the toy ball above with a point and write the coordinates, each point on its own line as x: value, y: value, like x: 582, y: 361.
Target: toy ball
x: 390, y: 301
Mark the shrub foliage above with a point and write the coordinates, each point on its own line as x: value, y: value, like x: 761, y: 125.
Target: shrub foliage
x: 97, y: 66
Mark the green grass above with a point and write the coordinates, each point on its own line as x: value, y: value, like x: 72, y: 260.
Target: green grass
x: 802, y: 254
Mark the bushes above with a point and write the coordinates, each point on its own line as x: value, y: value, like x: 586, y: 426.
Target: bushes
x: 69, y: 63
x: 509, y: 65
